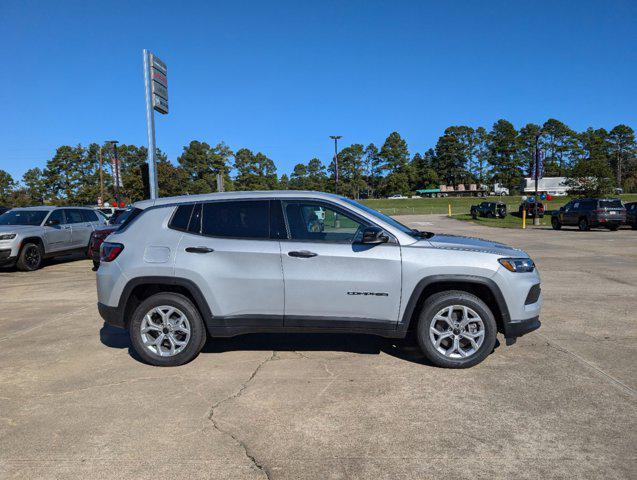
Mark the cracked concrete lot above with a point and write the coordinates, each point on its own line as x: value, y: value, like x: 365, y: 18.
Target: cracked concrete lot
x: 561, y: 403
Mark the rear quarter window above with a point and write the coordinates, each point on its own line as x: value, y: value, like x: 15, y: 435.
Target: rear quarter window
x: 181, y: 217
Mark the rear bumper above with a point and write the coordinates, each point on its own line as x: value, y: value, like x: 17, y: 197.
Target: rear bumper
x: 112, y: 315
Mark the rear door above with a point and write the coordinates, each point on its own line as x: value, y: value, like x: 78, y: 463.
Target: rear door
x: 330, y: 279
x: 229, y: 250
x: 57, y: 231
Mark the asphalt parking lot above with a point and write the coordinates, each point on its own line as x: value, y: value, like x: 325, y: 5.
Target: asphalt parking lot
x: 561, y: 403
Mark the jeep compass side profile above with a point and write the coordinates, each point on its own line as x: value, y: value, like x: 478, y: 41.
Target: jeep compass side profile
x: 218, y: 265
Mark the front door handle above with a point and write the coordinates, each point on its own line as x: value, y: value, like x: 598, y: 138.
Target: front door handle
x: 199, y: 250
x: 302, y: 254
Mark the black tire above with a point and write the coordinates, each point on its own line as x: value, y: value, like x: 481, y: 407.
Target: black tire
x: 96, y: 265
x: 613, y: 228
x: 30, y: 257
x: 439, y: 301
x: 583, y: 225
x: 555, y: 223
x: 197, y: 329
x: 474, y: 215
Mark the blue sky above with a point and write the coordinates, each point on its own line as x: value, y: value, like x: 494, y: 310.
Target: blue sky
x: 280, y: 77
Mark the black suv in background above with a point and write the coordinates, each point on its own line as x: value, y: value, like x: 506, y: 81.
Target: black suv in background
x: 489, y: 209
x: 631, y: 214
x: 587, y: 213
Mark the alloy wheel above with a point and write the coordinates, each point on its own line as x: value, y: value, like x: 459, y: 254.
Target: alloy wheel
x: 165, y: 331
x: 457, y: 331
x: 32, y: 257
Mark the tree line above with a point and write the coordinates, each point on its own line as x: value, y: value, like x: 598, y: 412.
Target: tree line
x: 597, y: 159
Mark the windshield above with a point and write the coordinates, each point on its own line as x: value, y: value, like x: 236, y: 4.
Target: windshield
x: 23, y: 217
x: 394, y: 223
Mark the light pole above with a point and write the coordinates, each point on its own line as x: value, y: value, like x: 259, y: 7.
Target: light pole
x: 536, y: 176
x: 101, y: 178
x: 336, y: 138
x: 115, y: 167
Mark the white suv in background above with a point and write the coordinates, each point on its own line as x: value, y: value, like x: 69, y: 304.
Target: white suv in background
x: 225, y: 264
x: 28, y: 235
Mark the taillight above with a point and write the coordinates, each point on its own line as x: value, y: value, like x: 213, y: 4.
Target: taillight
x: 109, y: 251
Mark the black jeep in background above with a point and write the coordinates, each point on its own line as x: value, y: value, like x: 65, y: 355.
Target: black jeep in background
x: 587, y: 213
x: 489, y: 210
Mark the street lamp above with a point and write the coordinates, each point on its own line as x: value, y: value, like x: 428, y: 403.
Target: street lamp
x: 536, y: 176
x: 335, y: 138
x: 115, y: 167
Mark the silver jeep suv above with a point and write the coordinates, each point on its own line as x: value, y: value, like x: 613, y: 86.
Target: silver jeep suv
x: 226, y: 264
x: 28, y: 235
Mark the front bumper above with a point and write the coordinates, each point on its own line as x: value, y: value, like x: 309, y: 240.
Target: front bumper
x: 513, y: 330
x: 6, y: 258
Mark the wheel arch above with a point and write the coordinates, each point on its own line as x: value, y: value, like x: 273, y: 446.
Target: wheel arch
x: 484, y: 288
x: 36, y: 239
x: 139, y: 289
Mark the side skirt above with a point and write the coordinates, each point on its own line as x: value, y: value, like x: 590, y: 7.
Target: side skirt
x: 241, y: 325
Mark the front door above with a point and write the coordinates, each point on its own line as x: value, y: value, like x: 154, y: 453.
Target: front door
x: 57, y: 232
x: 229, y: 249
x: 330, y: 279
x: 80, y: 229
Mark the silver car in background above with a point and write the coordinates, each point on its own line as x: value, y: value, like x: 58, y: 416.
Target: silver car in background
x: 29, y: 235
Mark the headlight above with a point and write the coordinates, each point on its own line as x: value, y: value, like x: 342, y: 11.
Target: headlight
x: 7, y: 236
x: 517, y: 264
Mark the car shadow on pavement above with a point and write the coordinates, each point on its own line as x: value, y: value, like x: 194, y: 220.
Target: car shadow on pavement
x: 403, y: 349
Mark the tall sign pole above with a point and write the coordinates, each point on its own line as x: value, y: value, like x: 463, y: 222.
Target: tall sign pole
x: 156, y: 85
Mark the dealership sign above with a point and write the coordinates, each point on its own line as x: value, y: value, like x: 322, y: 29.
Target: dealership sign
x: 159, y: 84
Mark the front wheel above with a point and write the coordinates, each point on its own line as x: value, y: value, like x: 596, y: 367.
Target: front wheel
x: 583, y: 225
x: 613, y: 228
x: 456, y: 329
x: 166, y: 330
x: 30, y: 257
x: 555, y: 223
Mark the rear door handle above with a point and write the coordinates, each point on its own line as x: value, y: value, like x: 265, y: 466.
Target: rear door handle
x: 302, y: 254
x: 199, y: 250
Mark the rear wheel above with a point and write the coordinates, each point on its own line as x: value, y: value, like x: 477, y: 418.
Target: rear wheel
x: 166, y: 330
x: 613, y: 228
x: 583, y: 225
x: 456, y: 329
x: 555, y: 223
x: 30, y: 257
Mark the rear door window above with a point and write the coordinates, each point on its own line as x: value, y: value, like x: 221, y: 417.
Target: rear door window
x: 89, y: 216
x: 74, y: 216
x: 237, y: 219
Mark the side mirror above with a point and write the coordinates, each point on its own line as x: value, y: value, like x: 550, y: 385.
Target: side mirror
x: 53, y: 222
x: 374, y: 236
